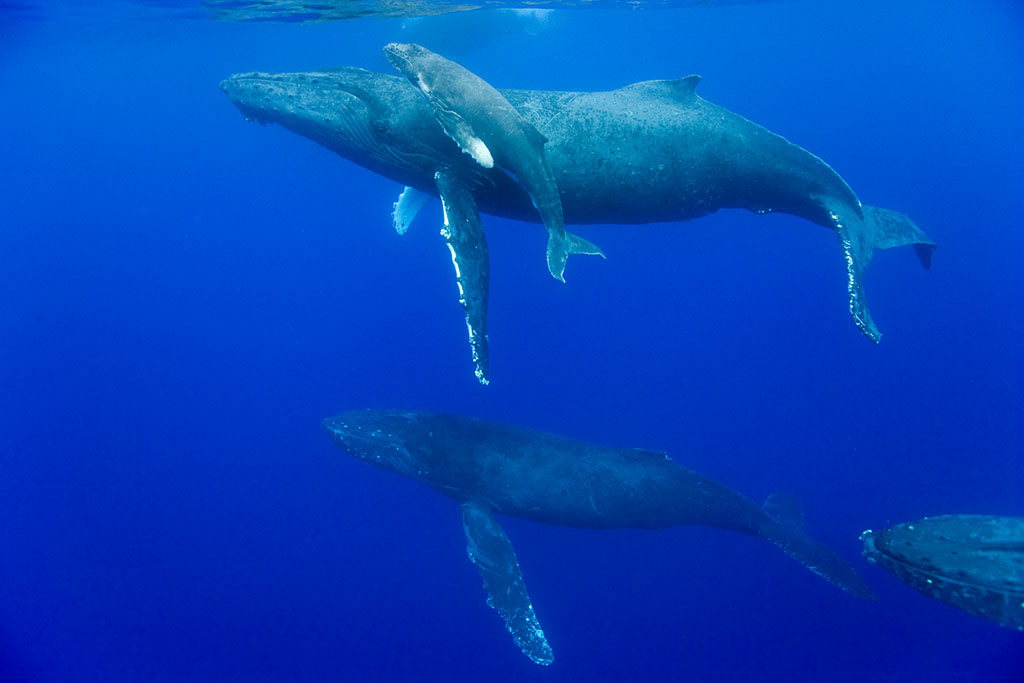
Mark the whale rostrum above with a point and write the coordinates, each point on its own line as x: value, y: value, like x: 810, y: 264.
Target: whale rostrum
x: 648, y: 152
x: 492, y: 469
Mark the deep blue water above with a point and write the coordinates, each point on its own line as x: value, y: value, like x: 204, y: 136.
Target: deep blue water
x: 184, y: 295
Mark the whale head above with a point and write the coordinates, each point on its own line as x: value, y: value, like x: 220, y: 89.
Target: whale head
x: 419, y: 65
x: 373, y: 119
x: 383, y: 438
x: 406, y: 56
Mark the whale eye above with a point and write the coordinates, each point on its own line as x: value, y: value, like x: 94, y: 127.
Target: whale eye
x: 381, y: 127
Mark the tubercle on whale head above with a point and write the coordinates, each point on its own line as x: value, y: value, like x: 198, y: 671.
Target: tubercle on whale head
x: 403, y: 55
x: 239, y: 89
x: 414, y: 62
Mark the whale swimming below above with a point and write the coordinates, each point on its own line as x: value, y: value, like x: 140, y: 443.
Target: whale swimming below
x: 648, y: 152
x: 491, y: 468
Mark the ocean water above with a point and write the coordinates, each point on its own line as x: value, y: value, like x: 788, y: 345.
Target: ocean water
x: 184, y: 296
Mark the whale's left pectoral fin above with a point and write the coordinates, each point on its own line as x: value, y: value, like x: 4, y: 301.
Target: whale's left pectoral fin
x: 878, y: 229
x: 464, y: 234
x: 492, y: 553
x: 459, y: 130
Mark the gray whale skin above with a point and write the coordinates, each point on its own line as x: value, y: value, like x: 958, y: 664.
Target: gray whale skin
x: 648, y: 152
x: 492, y: 468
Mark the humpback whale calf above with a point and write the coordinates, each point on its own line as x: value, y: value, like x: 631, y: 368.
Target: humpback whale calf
x: 489, y: 129
x: 491, y: 468
x: 647, y: 152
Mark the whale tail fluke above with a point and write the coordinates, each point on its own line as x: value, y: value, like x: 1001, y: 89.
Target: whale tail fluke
x: 894, y: 229
x: 559, y: 248
x: 859, y: 236
x: 789, y: 535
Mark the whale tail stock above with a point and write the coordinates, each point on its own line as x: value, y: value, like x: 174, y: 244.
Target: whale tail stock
x: 859, y: 235
x: 787, y: 532
x: 559, y: 248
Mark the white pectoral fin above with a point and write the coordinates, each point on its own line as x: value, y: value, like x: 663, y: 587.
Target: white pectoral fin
x: 464, y: 234
x: 459, y: 130
x: 407, y: 207
x: 476, y: 148
x: 492, y: 553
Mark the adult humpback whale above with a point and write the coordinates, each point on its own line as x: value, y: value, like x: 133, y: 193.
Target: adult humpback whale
x: 492, y: 468
x: 647, y: 152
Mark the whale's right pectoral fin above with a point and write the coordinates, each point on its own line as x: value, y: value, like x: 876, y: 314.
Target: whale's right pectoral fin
x: 878, y: 229
x: 492, y: 553
x: 408, y: 206
x: 464, y: 234
x: 459, y: 130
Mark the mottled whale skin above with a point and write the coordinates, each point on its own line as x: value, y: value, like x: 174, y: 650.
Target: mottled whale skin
x: 648, y: 152
x: 491, y: 468
x: 972, y: 562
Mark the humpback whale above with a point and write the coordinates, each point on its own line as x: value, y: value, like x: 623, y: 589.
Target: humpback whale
x: 648, y: 152
x: 480, y: 120
x: 491, y: 468
x: 972, y: 562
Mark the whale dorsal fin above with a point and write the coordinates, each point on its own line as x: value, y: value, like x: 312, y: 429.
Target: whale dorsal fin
x: 680, y: 89
x: 785, y: 508
x: 645, y: 454
x: 533, y: 135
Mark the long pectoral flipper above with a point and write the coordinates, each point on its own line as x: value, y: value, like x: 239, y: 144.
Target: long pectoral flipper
x: 464, y: 234
x: 490, y: 550
x: 878, y: 229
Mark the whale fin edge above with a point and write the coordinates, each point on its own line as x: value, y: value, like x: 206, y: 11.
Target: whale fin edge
x: 859, y: 237
x: 785, y: 528
x: 460, y: 130
x: 490, y: 550
x: 405, y: 210
x: 464, y: 234
x: 682, y: 89
x: 561, y: 246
